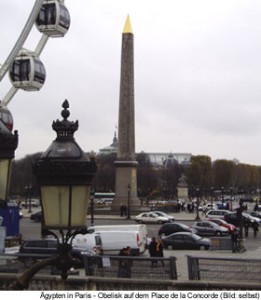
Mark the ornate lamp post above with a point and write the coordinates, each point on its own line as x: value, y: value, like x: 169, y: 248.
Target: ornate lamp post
x: 8, y: 145
x: 64, y: 173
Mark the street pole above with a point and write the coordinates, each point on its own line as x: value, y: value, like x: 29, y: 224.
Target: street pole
x: 129, y: 189
x: 92, y: 207
x: 197, y: 216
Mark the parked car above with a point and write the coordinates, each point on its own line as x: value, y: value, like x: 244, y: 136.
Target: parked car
x: 255, y: 214
x: 21, y: 215
x: 223, y: 205
x: 37, y: 216
x: 185, y: 240
x: 217, y: 213
x: 208, y: 228
x: 256, y: 218
x: 170, y: 228
x: 233, y: 218
x: 208, y: 207
x: 221, y: 222
x: 32, y: 250
x: 150, y: 217
x: 163, y: 214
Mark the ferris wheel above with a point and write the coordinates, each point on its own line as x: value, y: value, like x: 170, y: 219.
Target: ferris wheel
x: 26, y: 71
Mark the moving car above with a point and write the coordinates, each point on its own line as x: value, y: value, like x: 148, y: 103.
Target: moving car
x: 163, y: 214
x: 217, y: 213
x: 233, y: 218
x: 208, y: 228
x: 151, y: 217
x: 170, y: 228
x: 186, y: 240
x: 32, y: 250
x: 220, y: 222
x: 37, y: 216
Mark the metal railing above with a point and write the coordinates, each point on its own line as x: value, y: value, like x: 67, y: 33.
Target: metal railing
x: 131, y: 267
x: 224, y: 269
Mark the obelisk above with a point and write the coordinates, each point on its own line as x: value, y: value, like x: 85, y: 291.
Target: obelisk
x: 126, y: 164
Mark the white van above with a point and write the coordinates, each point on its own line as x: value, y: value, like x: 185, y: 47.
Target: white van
x: 88, y: 242
x: 114, y: 241
x: 140, y: 228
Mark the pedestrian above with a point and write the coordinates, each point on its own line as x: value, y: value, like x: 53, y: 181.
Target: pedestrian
x: 121, y: 210
x: 255, y: 228
x: 246, y: 225
x: 153, y: 251
x: 159, y: 251
x: 125, y: 264
x: 234, y: 240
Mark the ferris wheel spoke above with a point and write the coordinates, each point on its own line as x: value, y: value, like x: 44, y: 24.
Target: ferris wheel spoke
x: 9, y: 95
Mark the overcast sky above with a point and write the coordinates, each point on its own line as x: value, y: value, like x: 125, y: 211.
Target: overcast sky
x: 197, y: 76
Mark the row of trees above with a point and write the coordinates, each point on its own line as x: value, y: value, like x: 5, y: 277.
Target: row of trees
x: 202, y: 173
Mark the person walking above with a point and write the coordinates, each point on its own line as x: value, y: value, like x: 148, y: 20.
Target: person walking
x: 255, y: 228
x: 159, y: 251
x: 125, y: 264
x: 234, y: 240
x: 153, y: 251
x: 246, y: 226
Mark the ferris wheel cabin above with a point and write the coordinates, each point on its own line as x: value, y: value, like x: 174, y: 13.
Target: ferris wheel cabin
x: 6, y: 117
x: 53, y: 19
x: 27, y: 72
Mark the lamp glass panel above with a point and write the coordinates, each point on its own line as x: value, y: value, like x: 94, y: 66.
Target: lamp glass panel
x: 4, y: 177
x: 80, y: 201
x: 55, y: 204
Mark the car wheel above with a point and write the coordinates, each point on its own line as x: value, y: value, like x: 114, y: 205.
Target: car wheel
x: 218, y: 233
x: 159, y: 222
x: 202, y: 247
x: 140, y: 221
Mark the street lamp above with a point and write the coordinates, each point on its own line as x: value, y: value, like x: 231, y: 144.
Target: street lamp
x: 92, y: 207
x: 64, y: 173
x: 129, y: 190
x: 222, y: 196
x: 8, y: 145
x: 197, y: 216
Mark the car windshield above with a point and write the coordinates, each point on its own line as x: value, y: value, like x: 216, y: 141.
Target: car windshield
x: 184, y: 226
x: 196, y: 237
x: 160, y: 213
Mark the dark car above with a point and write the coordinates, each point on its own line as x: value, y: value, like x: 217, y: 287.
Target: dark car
x: 255, y: 214
x: 37, y: 216
x: 170, y: 228
x: 186, y: 240
x: 32, y: 250
x: 208, y: 228
x: 233, y: 218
